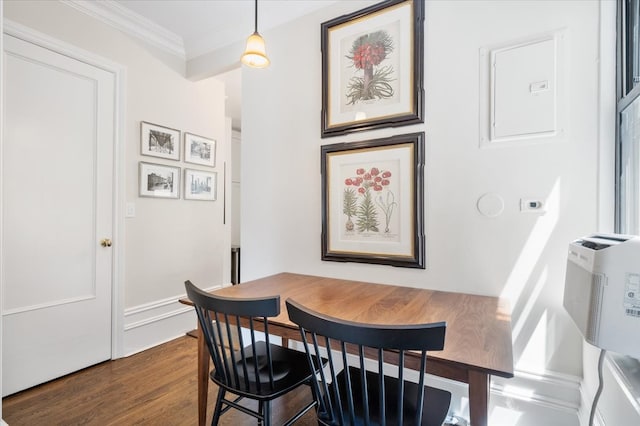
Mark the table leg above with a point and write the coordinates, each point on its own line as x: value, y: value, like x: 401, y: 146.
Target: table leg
x: 203, y: 380
x: 478, y: 398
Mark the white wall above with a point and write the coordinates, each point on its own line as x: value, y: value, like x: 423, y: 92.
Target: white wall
x: 168, y: 241
x: 516, y: 255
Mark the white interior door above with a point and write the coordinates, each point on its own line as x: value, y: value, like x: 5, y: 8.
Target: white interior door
x: 58, y: 207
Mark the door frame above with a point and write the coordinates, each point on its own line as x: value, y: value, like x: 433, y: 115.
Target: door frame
x: 2, y: 422
x: 119, y: 72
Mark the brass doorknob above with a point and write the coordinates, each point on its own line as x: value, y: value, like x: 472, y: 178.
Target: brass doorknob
x: 106, y: 242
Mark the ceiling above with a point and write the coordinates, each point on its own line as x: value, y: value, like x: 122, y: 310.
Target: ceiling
x: 197, y: 27
x: 205, y: 25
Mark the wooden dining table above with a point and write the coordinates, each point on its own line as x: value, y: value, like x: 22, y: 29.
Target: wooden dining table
x: 478, y: 337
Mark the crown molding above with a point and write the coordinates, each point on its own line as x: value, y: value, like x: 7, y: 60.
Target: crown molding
x: 131, y: 23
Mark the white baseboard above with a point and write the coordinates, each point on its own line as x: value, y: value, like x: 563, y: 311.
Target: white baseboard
x: 619, y: 402
x: 527, y: 399
x: 585, y: 408
x: 152, y: 324
x: 2, y: 423
x: 556, y: 391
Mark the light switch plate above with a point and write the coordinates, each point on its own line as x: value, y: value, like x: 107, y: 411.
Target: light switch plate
x: 130, y: 210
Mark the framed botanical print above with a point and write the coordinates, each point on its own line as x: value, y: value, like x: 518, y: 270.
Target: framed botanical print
x: 372, y: 201
x: 373, y: 67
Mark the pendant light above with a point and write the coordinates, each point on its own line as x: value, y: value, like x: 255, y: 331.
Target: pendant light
x: 255, y: 55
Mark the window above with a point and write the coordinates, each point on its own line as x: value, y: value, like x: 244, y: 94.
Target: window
x: 628, y: 109
x: 630, y: 32
x: 628, y: 149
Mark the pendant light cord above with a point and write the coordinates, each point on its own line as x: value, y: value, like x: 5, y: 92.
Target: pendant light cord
x: 256, y: 17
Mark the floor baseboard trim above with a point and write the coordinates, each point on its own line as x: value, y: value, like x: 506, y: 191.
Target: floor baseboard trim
x: 157, y: 322
x: 154, y: 325
x: 537, y: 398
x: 547, y: 393
x: 147, y: 321
x: 584, y: 412
x: 619, y: 402
x: 550, y: 390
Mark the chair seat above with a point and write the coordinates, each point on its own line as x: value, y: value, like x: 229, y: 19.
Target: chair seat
x: 280, y: 363
x: 436, y: 401
x: 290, y: 368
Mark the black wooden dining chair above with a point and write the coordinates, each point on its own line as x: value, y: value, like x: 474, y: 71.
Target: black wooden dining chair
x: 248, y: 367
x: 351, y: 395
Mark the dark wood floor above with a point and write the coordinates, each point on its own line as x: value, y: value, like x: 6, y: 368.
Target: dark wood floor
x: 154, y: 387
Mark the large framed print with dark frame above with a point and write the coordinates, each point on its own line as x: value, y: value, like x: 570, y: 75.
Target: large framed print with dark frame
x: 373, y: 201
x: 373, y: 67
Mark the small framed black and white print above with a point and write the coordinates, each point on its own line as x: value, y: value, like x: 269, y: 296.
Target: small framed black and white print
x: 159, y: 141
x: 200, y: 185
x: 199, y: 150
x: 159, y: 181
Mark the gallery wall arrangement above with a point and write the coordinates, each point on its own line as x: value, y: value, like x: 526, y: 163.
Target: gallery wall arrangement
x: 163, y: 180
x: 372, y: 190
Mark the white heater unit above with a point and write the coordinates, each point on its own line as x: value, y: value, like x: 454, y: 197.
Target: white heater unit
x: 602, y: 291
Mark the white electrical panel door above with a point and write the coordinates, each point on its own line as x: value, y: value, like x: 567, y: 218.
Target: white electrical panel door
x: 523, y: 90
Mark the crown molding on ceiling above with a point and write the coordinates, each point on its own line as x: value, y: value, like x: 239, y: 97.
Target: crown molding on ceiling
x: 129, y: 22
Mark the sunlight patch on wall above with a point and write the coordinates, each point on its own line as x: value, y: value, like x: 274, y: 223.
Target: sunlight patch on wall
x: 534, y: 356
x: 533, y: 248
